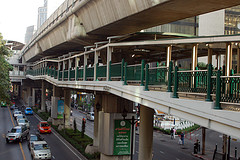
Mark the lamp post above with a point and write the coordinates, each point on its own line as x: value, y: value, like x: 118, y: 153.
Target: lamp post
x: 132, y: 122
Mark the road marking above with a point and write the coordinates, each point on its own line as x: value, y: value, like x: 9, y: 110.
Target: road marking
x: 53, y: 157
x: 162, y: 152
x: 61, y: 140
x: 20, y: 144
x: 177, y: 159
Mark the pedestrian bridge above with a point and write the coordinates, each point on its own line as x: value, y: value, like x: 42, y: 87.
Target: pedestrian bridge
x: 140, y: 79
x: 77, y: 23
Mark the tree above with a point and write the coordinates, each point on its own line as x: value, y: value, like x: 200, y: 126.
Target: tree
x: 5, y: 67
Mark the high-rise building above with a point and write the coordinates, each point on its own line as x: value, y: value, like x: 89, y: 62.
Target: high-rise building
x: 42, y: 14
x: 29, y: 33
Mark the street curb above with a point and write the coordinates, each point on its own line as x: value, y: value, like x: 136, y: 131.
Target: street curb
x: 199, y: 156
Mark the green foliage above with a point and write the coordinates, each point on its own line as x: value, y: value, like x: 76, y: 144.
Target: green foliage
x: 5, y: 67
x: 202, y: 65
x: 178, y: 132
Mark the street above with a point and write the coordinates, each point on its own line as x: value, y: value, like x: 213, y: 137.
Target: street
x: 19, y: 151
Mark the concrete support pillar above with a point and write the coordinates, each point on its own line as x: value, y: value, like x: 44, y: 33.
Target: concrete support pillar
x: 86, y: 56
x: 145, y: 133
x: 169, y: 55
x: 43, y: 97
x: 228, y: 58
x: 29, y: 98
x: 98, y: 102
x: 54, y: 110
x: 238, y: 59
x: 33, y: 96
x: 109, y: 58
x: 96, y: 55
x: 67, y: 106
x: 210, y: 51
x: 194, y: 56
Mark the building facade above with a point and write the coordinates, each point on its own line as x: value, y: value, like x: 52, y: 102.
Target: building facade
x: 42, y: 14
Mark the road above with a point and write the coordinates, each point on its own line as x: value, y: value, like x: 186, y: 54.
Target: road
x: 19, y: 151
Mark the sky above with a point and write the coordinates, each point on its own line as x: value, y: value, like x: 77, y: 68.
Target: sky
x: 17, y: 15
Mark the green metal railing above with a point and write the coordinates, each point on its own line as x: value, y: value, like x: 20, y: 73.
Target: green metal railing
x: 226, y: 88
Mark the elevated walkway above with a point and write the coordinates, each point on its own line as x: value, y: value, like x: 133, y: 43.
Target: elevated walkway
x: 199, y: 112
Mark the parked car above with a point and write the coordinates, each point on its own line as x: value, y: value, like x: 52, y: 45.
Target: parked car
x: 32, y: 138
x: 44, y: 127
x: 40, y: 150
x: 90, y: 116
x: 16, y: 113
x: 17, y: 133
x: 21, y: 122
x: 28, y: 111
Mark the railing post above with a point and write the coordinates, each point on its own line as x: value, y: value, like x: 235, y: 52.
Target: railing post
x: 109, y: 77
x: 147, y: 78
x: 218, y: 91
x: 125, y: 74
x: 122, y: 70
x: 142, y: 72
x: 97, y: 71
x: 76, y: 75
x: 209, y: 82
x: 195, y: 75
x: 170, y: 76
x: 85, y: 73
x: 175, y: 94
x: 231, y: 80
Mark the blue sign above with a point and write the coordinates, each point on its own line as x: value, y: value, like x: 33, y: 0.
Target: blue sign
x: 60, y: 109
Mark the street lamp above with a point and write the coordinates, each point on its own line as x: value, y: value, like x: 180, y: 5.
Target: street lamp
x: 132, y: 122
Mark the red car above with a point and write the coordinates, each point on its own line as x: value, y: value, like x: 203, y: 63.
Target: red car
x: 44, y: 127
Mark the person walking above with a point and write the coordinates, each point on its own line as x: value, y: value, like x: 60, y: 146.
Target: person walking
x: 171, y: 132
x: 174, y: 132
x: 182, y: 138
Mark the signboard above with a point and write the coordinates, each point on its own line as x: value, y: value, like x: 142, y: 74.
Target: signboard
x: 60, y: 109
x: 122, y: 137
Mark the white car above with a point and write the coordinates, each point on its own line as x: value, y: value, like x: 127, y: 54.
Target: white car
x: 22, y: 122
x: 90, y: 116
x: 20, y: 116
x: 16, y: 113
x: 40, y: 150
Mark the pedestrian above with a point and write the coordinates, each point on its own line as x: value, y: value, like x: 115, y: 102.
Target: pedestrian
x: 171, y: 132
x: 174, y: 132
x: 182, y: 138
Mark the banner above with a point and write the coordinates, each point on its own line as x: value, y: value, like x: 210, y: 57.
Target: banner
x: 122, y: 137
x: 60, y: 109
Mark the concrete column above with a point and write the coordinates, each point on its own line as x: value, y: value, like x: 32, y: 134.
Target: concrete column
x: 86, y: 56
x: 98, y: 100
x: 109, y: 58
x: 96, y: 55
x: 43, y: 97
x: 228, y: 58
x: 169, y: 55
x: 210, y: 51
x: 145, y: 133
x: 67, y: 106
x: 194, y: 56
x: 238, y: 59
x: 33, y: 96
x: 54, y: 110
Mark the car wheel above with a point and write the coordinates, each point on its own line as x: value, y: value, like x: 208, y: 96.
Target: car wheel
x: 7, y: 141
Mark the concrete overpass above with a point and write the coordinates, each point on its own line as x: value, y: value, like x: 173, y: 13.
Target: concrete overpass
x: 77, y: 23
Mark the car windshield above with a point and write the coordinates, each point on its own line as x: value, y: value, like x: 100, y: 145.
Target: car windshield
x: 22, y: 121
x: 40, y: 146
x: 33, y: 138
x: 28, y: 109
x: 14, y: 130
x: 20, y: 117
x: 44, y: 125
